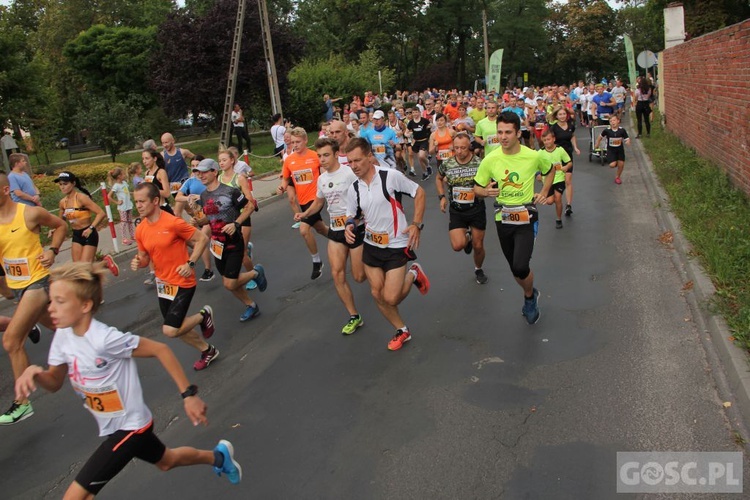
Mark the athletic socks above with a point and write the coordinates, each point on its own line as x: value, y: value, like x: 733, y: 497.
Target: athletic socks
x: 316, y: 258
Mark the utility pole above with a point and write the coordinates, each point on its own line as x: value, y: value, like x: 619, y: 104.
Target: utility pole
x: 486, y: 48
x: 226, y: 122
x: 273, y: 82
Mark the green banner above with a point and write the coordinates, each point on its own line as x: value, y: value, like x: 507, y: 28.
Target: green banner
x: 496, y: 66
x: 630, y: 54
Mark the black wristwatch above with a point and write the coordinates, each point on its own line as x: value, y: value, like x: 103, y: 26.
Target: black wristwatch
x: 192, y: 390
x: 237, y: 225
x: 191, y: 264
x: 55, y: 250
x: 441, y: 196
x: 419, y: 225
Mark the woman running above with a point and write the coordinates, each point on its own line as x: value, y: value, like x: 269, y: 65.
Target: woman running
x: 83, y: 215
x: 231, y: 178
x: 156, y: 173
x: 441, y: 140
x: 563, y: 125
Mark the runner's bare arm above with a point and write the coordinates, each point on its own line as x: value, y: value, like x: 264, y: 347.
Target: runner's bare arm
x: 50, y: 380
x: 317, y: 206
x: 161, y: 174
x: 195, y: 408
x: 187, y: 154
x: 96, y: 209
x: 36, y: 217
x: 413, y: 230
x: 199, y: 242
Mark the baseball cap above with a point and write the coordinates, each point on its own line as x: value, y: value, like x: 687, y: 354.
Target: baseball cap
x: 378, y: 115
x: 66, y: 177
x: 206, y: 165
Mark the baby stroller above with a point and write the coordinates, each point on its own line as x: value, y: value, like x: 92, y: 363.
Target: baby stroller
x: 600, y: 153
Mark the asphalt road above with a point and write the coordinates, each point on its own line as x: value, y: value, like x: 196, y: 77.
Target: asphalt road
x: 478, y: 405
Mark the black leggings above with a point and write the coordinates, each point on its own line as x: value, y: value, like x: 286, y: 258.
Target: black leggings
x: 643, y: 112
x: 517, y: 243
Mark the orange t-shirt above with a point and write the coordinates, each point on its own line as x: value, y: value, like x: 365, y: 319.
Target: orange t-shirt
x: 164, y: 241
x: 304, y: 169
x: 451, y: 112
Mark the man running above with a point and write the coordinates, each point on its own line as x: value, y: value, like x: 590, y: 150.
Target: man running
x: 382, y: 139
x: 515, y: 166
x: 375, y: 197
x: 98, y: 361
x: 333, y: 186
x: 162, y: 240
x: 338, y: 132
x: 486, y: 131
x: 468, y: 216
x: 225, y: 209
x: 26, y: 267
x: 301, y: 170
x: 419, y: 130
x: 175, y: 161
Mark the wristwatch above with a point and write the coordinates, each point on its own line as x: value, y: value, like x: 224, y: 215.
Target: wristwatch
x: 191, y: 264
x: 419, y: 225
x: 55, y: 250
x: 192, y: 390
x: 441, y: 196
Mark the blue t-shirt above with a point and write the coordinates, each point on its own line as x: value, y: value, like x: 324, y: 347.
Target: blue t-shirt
x: 380, y: 141
x: 192, y: 186
x: 23, y: 183
x: 519, y: 111
x: 604, y: 97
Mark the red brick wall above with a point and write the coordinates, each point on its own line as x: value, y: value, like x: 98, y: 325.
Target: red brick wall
x: 707, y: 98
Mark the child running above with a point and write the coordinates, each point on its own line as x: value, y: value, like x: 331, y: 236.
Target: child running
x: 119, y: 185
x: 98, y: 360
x: 561, y: 163
x: 616, y: 137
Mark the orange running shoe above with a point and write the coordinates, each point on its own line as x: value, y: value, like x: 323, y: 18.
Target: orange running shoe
x: 421, y: 281
x: 397, y: 342
x: 111, y: 265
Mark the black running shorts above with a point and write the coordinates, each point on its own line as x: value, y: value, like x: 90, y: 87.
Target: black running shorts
x: 386, y: 258
x: 174, y: 311
x: 230, y: 264
x: 475, y: 217
x: 340, y: 237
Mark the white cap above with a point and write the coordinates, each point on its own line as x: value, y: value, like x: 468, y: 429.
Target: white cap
x: 378, y: 115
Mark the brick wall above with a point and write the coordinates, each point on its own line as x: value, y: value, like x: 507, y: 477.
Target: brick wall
x: 707, y: 98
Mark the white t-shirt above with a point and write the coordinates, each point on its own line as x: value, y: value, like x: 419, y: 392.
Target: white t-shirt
x: 619, y: 94
x: 384, y: 222
x: 334, y: 187
x: 236, y: 116
x: 242, y: 168
x: 122, y: 192
x: 104, y: 375
x: 277, y: 134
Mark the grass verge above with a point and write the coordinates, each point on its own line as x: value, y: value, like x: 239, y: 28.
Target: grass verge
x: 714, y: 217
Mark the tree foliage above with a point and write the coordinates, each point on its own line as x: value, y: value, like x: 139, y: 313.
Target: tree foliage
x: 112, y: 122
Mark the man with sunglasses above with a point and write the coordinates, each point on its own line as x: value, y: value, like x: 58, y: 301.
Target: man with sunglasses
x: 375, y: 198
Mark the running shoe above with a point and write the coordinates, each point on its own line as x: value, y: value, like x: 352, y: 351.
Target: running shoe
x: 207, y: 323
x: 207, y: 356
x: 295, y: 225
x: 111, y: 265
x: 317, y: 270
x: 250, y: 250
x: 16, y: 413
x: 354, y: 323
x: 425, y: 176
x: 207, y: 275
x: 617, y: 180
x: 261, y: 278
x: 558, y: 224
x: 531, y: 308
x: 150, y: 280
x: 230, y: 467
x: 127, y: 242
x: 469, y: 245
x: 251, y: 312
x: 251, y: 285
x: 35, y: 334
x: 568, y: 210
x: 482, y: 278
x: 397, y: 342
x: 421, y: 281
x: 412, y: 173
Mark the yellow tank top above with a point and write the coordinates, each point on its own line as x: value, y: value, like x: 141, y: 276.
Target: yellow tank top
x: 71, y: 214
x: 20, y: 250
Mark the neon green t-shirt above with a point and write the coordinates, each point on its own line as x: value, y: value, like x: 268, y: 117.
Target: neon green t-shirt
x: 477, y: 114
x: 487, y: 130
x: 557, y: 157
x: 515, y: 174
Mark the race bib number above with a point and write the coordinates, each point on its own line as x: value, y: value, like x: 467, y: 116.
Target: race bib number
x: 378, y: 149
x: 104, y: 401
x: 377, y: 239
x: 166, y: 290
x: 149, y: 178
x: 216, y: 248
x: 174, y: 186
x: 463, y: 195
x: 444, y: 154
x: 493, y: 140
x: 17, y: 269
x: 68, y: 213
x: 615, y: 142
x: 539, y: 125
x: 604, y: 116
x: 304, y: 176
x: 338, y: 222
x: 515, y: 215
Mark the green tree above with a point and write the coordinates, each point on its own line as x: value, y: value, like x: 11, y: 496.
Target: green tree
x: 112, y: 122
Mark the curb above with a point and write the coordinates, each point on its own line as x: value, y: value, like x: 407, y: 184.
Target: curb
x: 729, y: 363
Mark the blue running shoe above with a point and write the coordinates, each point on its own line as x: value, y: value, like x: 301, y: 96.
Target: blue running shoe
x: 251, y: 312
x: 531, y: 308
x: 230, y: 467
x: 261, y: 278
x: 250, y: 249
x: 251, y: 285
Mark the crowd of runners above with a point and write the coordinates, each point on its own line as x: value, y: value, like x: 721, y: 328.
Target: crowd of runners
x: 516, y: 149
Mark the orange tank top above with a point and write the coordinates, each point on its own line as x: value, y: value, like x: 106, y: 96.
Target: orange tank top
x: 20, y: 250
x: 72, y: 214
x: 444, y: 144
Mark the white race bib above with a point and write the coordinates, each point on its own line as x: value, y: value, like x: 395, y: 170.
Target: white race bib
x: 166, y: 290
x: 463, y: 195
x: 17, y: 269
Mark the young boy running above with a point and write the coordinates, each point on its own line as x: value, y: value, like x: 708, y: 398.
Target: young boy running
x: 616, y: 136
x: 561, y: 163
x: 98, y: 360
